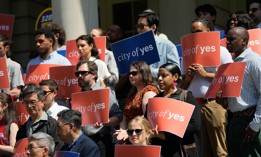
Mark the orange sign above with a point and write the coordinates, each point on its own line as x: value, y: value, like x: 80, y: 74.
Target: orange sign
x: 19, y: 149
x: 39, y: 72
x: 137, y: 151
x: 100, y: 43
x: 223, y: 42
x: 66, y: 80
x: 202, y: 48
x: 94, y: 105
x: 21, y: 113
x: 6, y: 24
x: 4, y: 75
x: 255, y: 40
x: 72, y: 53
x: 165, y: 111
x: 228, y: 79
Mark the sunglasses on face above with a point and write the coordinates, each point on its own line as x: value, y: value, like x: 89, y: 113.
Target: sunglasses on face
x: 140, y: 26
x: 254, y: 9
x: 47, y: 92
x: 137, y: 131
x: 82, y: 73
x: 133, y: 73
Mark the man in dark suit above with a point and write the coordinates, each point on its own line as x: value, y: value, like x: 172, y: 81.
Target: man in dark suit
x: 69, y: 131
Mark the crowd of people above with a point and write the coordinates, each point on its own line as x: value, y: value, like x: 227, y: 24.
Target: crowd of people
x: 219, y: 127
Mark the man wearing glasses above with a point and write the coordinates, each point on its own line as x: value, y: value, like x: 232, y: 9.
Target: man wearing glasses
x: 149, y: 20
x: 255, y: 12
x: 101, y: 133
x: 50, y: 89
x: 39, y: 121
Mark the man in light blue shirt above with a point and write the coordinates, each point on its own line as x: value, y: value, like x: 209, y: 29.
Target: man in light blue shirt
x: 45, y: 40
x: 244, y: 138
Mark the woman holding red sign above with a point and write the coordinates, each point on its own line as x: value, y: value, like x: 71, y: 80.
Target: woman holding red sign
x: 8, y: 125
x: 172, y: 145
x: 143, y: 88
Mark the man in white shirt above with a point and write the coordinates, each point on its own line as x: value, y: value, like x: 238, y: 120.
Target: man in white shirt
x: 50, y: 89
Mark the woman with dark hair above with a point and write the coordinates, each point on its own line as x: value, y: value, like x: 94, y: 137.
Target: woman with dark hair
x: 88, y: 51
x: 143, y: 88
x: 168, y: 76
x: 8, y: 125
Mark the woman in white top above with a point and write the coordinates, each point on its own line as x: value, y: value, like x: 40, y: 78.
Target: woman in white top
x: 87, y: 50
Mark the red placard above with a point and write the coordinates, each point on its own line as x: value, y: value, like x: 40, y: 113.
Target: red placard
x: 94, y: 105
x: 39, y: 72
x: 201, y: 48
x: 6, y: 24
x: 4, y: 75
x: 137, y: 151
x: 223, y: 42
x: 21, y: 113
x: 255, y: 40
x: 165, y: 111
x: 19, y: 149
x: 228, y: 79
x: 66, y: 80
x: 100, y: 43
x: 72, y: 53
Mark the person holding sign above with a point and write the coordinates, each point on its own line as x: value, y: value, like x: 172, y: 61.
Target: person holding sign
x: 45, y: 41
x: 101, y: 133
x: 39, y: 121
x: 244, y: 137
x: 143, y: 88
x: 139, y: 131
x: 88, y: 51
x: 109, y: 60
x: 8, y: 125
x: 40, y: 145
x: 197, y: 80
x: 149, y: 20
x: 13, y: 68
x: 168, y: 76
x: 50, y: 89
x: 69, y: 131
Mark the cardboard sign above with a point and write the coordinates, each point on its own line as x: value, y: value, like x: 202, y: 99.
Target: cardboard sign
x: 100, y: 43
x: 255, y: 40
x: 66, y: 154
x: 66, y: 80
x: 3, y: 75
x: 21, y: 113
x: 72, y: 53
x: 19, y: 149
x: 202, y: 48
x: 6, y: 24
x: 137, y: 151
x: 140, y: 47
x: 44, y: 18
x: 228, y: 79
x: 39, y: 72
x: 165, y: 111
x: 94, y: 105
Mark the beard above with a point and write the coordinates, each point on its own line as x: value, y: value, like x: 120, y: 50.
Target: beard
x: 83, y: 84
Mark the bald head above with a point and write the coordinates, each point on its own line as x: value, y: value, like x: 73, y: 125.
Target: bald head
x: 237, y: 40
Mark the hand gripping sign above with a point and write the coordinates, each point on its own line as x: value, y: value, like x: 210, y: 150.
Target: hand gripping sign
x: 137, y: 151
x: 94, y: 105
x: 228, y: 79
x: 165, y: 111
x: 202, y: 48
x: 3, y: 75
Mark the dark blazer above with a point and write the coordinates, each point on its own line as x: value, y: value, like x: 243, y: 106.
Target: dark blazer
x: 85, y: 146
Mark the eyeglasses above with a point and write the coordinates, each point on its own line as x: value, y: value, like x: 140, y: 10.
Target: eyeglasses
x: 140, y: 26
x: 32, y: 102
x: 60, y: 126
x: 30, y: 147
x: 47, y: 92
x: 254, y: 10
x: 137, y: 131
x: 82, y: 73
x: 133, y: 73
